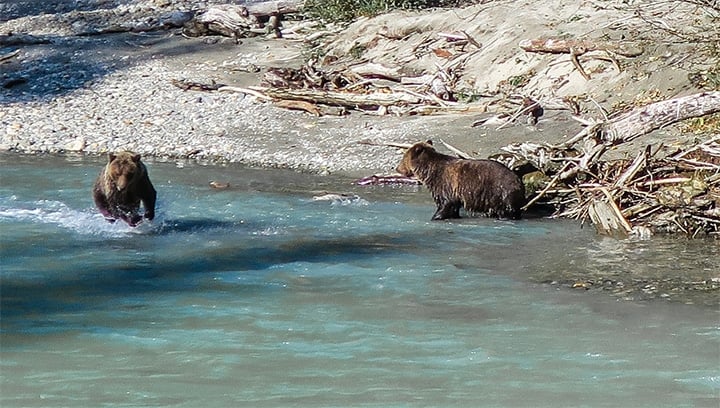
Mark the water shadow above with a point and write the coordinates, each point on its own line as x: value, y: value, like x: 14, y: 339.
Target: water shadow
x: 27, y: 303
x: 195, y: 225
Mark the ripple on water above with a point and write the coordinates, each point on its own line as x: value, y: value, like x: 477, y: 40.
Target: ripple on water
x: 258, y: 295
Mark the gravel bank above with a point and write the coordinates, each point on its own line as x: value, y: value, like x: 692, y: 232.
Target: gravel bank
x: 120, y: 96
x: 92, y: 94
x: 137, y: 108
x: 101, y: 93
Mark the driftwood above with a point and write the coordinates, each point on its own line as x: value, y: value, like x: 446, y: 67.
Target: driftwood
x: 576, y: 48
x: 363, y: 87
x: 275, y: 7
x: 677, y: 193
x: 579, y: 47
x: 6, y: 57
x: 186, y: 85
x: 228, y: 20
x: 240, y: 21
x: 599, y: 136
x: 461, y: 38
x: 312, y: 108
x: 380, y: 179
x: 336, y: 98
x: 641, y: 121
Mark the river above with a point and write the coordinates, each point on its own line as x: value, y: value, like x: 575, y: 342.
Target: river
x: 261, y: 295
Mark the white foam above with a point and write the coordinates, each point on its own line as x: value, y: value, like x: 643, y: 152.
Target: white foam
x: 341, y: 199
x: 86, y: 222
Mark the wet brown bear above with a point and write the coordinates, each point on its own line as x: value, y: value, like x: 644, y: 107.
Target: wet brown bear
x: 120, y: 187
x: 480, y: 186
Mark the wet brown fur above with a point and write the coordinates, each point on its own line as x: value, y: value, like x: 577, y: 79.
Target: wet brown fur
x: 120, y: 187
x: 484, y: 187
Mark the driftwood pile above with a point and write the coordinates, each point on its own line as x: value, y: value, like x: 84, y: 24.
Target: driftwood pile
x: 338, y: 84
x: 678, y: 193
x: 337, y: 92
x: 640, y: 195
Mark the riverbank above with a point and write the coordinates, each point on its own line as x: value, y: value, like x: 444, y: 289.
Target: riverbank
x: 92, y: 94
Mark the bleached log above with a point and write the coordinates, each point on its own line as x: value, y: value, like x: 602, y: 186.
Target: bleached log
x: 270, y: 8
x: 644, y: 120
x: 605, y: 218
x: 229, y: 20
x: 233, y: 20
x: 375, y: 70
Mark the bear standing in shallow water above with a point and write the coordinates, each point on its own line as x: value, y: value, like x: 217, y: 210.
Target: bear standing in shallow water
x: 480, y: 186
x: 120, y: 187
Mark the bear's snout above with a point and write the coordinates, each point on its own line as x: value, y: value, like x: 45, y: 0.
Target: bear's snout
x: 404, y: 170
x: 121, y: 183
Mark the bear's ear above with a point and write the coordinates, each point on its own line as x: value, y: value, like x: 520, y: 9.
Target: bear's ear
x: 418, y: 149
x: 136, y: 158
x: 111, y: 157
x: 429, y: 142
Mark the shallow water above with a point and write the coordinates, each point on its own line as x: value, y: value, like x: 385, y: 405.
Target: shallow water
x: 259, y: 295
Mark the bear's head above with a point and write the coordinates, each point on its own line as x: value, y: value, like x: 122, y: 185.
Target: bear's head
x: 414, y: 155
x: 123, y: 169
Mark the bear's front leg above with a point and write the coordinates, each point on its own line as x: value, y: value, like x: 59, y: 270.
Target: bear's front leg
x: 103, y: 206
x: 447, y: 210
x: 148, y: 200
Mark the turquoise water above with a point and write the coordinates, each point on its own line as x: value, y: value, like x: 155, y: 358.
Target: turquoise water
x: 259, y: 295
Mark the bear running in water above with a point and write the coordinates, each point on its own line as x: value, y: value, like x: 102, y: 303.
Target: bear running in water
x: 120, y: 187
x: 480, y: 186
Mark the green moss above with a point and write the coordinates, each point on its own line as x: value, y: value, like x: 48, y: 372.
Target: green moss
x: 347, y: 10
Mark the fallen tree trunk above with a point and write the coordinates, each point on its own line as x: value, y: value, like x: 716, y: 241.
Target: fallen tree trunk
x: 228, y: 20
x: 673, y: 194
x: 657, y: 115
x: 238, y: 21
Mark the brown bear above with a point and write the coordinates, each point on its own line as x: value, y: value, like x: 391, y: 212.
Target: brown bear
x: 120, y: 187
x: 480, y: 186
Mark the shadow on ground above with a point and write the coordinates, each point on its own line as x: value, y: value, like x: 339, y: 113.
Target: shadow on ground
x: 65, y: 64
x: 12, y: 9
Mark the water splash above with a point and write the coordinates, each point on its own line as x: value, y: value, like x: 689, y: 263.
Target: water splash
x: 83, y: 222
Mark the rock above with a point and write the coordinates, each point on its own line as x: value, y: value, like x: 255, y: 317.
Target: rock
x: 76, y: 145
x: 176, y: 18
x: 219, y: 185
